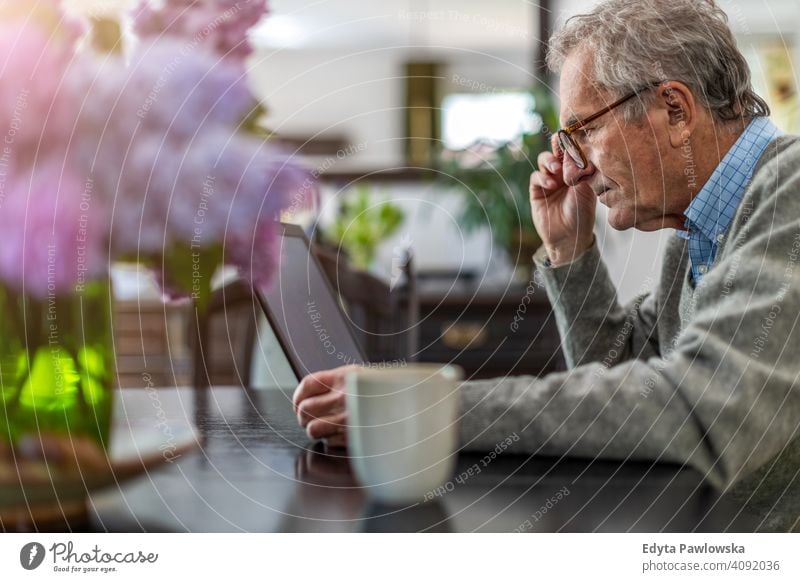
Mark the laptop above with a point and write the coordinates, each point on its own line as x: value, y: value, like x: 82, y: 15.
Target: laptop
x: 304, y: 312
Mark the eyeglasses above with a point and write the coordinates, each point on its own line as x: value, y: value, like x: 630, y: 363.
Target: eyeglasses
x: 569, y: 145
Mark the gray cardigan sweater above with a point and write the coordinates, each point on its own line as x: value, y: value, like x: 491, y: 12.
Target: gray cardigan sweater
x: 707, y: 376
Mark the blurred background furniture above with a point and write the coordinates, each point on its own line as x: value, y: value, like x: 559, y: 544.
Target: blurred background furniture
x: 151, y: 343
x: 474, y: 328
x: 223, y: 338
x: 383, y: 315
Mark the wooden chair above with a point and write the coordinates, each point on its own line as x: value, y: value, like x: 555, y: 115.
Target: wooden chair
x: 222, y: 340
x: 384, y: 317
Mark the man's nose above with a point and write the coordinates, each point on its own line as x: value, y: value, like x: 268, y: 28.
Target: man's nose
x: 573, y: 174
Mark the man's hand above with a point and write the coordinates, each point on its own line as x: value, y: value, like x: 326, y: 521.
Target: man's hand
x: 319, y: 402
x: 563, y: 214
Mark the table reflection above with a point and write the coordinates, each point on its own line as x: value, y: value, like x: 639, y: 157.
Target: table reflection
x: 328, y: 497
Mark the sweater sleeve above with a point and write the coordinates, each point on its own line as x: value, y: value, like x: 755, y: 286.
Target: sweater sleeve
x: 725, y: 400
x: 592, y: 324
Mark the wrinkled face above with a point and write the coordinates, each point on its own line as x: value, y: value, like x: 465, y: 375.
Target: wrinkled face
x: 631, y: 164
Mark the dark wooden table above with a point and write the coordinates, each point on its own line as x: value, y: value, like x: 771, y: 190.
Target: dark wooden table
x: 257, y: 471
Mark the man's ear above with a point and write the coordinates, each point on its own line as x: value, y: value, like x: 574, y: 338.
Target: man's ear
x: 678, y: 102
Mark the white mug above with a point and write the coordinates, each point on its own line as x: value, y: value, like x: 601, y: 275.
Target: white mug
x: 402, y: 428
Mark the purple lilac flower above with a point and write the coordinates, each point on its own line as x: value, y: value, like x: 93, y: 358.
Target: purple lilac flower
x: 54, y: 233
x: 218, y: 25
x: 170, y: 154
x: 35, y: 107
x: 149, y: 154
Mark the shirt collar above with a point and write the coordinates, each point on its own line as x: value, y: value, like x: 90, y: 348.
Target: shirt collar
x: 712, y: 210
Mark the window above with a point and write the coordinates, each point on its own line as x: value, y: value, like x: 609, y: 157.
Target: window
x: 491, y: 117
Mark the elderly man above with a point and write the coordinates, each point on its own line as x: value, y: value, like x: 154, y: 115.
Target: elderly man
x: 662, y: 127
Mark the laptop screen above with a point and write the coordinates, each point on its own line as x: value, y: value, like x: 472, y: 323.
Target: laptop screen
x: 304, y: 312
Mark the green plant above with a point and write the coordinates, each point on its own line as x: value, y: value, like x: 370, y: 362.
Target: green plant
x: 494, y: 181
x: 362, y: 223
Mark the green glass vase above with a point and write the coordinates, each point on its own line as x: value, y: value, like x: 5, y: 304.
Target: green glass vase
x: 57, y: 363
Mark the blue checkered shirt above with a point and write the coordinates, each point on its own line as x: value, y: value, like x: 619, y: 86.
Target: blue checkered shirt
x: 711, y: 212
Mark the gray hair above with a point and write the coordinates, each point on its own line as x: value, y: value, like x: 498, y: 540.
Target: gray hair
x: 637, y: 42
